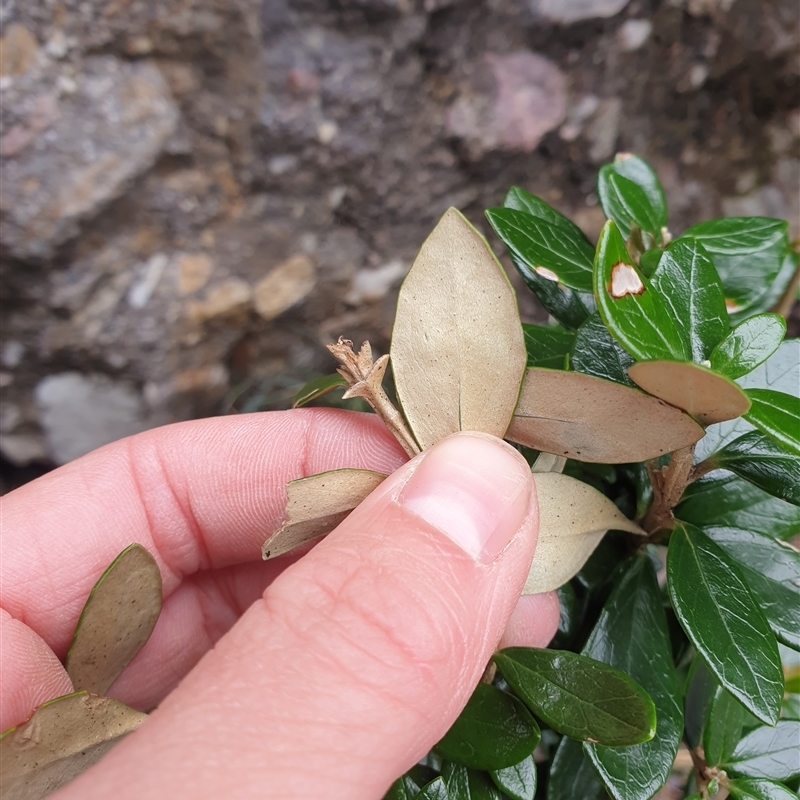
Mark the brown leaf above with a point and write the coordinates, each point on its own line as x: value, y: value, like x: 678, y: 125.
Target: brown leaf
x: 116, y: 621
x: 590, y: 419
x: 707, y: 396
x: 573, y: 518
x: 457, y: 351
x: 317, y: 504
x: 62, y: 739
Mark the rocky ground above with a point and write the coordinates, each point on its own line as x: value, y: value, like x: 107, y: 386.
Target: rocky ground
x: 197, y: 195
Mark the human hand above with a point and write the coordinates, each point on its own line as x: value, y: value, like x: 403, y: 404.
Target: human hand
x: 353, y: 663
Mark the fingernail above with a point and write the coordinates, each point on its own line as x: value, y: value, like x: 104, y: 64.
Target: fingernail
x: 474, y: 489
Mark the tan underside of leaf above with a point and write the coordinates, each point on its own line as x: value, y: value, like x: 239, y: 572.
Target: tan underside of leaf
x: 591, y: 419
x: 573, y: 518
x: 704, y: 394
x: 116, y: 621
x: 62, y: 739
x: 317, y: 504
x: 457, y: 352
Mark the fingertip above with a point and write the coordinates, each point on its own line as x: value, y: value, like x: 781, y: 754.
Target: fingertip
x: 533, y: 622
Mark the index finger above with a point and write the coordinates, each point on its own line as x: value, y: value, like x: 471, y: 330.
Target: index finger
x: 198, y: 495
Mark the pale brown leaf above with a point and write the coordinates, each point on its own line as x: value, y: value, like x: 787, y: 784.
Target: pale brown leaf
x: 706, y: 395
x: 62, y: 739
x: 457, y: 351
x: 590, y: 419
x: 116, y: 620
x: 573, y: 518
x: 317, y: 504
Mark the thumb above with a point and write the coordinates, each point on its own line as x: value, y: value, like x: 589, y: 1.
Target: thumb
x: 361, y: 654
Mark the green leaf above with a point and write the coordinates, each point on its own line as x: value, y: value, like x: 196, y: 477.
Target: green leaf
x: 772, y: 571
x: 648, y: 261
x: 759, y: 789
x: 631, y: 634
x: 748, y: 253
x: 435, y: 790
x: 547, y: 345
x: 758, y: 459
x: 117, y: 620
x: 494, y: 730
x: 772, y: 295
x: 723, y: 728
x: 790, y: 709
x: 571, y: 775
x: 626, y: 203
x: 456, y: 311
x: 776, y: 414
x: 560, y: 253
x: 688, y: 282
x: 570, y: 616
x: 780, y: 372
x: 404, y: 788
x: 316, y: 388
x: 642, y: 174
x: 748, y: 345
x: 578, y: 696
x: 519, y: 781
x: 727, y: 502
x: 521, y: 200
x: 700, y: 688
x: 468, y: 784
x: 635, y: 314
x: 596, y: 352
x: 768, y: 753
x: 723, y: 621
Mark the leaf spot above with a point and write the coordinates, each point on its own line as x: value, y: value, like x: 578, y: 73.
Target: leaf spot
x: 625, y: 280
x: 731, y: 305
x: 546, y: 273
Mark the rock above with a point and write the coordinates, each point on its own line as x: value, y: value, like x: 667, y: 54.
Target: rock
x: 286, y: 284
x: 566, y: 12
x: 140, y: 293
x: 22, y: 449
x: 18, y: 50
x: 230, y: 298
x: 603, y: 129
x: 194, y: 270
x: 633, y: 33
x: 79, y: 413
x: 370, y: 285
x: 510, y: 104
x: 69, y: 156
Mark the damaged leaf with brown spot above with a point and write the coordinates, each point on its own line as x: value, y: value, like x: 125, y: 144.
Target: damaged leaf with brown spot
x: 591, y: 419
x: 457, y: 350
x: 708, y: 396
x: 116, y: 620
x: 573, y: 518
x: 61, y: 740
x: 317, y: 504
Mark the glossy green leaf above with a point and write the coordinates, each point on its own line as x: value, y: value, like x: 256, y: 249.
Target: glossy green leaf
x: 117, y: 620
x: 571, y: 775
x: 748, y: 253
x: 775, y: 291
x: 494, y: 730
x: 768, y: 752
x: 772, y: 571
x: 776, y: 414
x: 316, y: 388
x: 567, y: 306
x: 559, y: 253
x: 648, y: 261
x: 626, y: 203
x: 631, y: 634
x: 468, y: 784
x: 596, y: 352
x: 723, y: 728
x: 748, y: 345
x: 700, y: 688
x: 643, y: 175
x: 780, y: 372
x: 578, y: 696
x: 688, y: 283
x: 759, y: 789
x: 727, y: 502
x: 790, y: 708
x: 758, y: 459
x: 435, y: 790
x: 723, y: 620
x: 404, y: 788
x: 635, y: 314
x: 571, y: 610
x: 520, y: 200
x: 519, y: 781
x: 547, y: 345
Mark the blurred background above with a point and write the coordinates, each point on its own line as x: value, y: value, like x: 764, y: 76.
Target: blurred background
x: 197, y: 195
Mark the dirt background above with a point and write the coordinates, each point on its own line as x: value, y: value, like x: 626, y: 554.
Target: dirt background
x: 197, y: 195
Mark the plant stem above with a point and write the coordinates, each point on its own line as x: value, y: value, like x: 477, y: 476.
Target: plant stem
x: 668, y: 485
